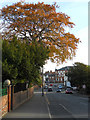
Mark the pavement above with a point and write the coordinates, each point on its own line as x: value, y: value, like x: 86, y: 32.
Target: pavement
x: 36, y: 107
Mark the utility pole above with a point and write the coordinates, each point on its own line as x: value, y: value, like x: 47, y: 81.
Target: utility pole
x: 42, y: 83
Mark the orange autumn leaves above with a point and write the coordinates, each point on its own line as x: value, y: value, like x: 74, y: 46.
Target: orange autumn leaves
x: 40, y: 22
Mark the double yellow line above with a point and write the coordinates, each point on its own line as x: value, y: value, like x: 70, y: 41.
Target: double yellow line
x: 46, y: 98
x: 48, y: 103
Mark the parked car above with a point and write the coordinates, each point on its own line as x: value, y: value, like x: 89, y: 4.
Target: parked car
x: 68, y: 91
x: 55, y: 85
x: 51, y: 84
x: 58, y: 90
x: 50, y: 89
x: 45, y: 87
x: 60, y: 86
x: 74, y: 88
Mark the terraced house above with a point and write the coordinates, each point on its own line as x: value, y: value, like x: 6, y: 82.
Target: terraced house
x: 59, y: 76
x: 50, y: 77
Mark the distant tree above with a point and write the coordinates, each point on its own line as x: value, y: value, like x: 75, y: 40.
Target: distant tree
x: 40, y: 22
x: 88, y: 81
x: 78, y: 74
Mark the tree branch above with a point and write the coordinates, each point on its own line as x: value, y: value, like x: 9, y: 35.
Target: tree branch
x: 54, y: 41
x: 43, y: 30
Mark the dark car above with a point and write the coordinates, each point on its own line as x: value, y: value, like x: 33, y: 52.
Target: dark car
x: 58, y: 90
x: 50, y: 89
x: 68, y: 91
x: 55, y: 85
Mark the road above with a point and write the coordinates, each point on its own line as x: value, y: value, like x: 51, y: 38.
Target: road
x: 63, y: 105
x: 52, y: 105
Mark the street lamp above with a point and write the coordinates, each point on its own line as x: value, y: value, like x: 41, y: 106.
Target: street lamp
x: 42, y: 83
x: 7, y: 83
x: 27, y: 84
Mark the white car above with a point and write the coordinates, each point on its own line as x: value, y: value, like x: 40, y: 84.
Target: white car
x: 60, y: 86
x: 74, y: 88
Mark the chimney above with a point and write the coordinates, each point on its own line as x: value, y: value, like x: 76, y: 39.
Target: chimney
x: 50, y: 71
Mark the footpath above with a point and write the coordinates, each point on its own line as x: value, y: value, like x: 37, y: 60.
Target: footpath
x: 36, y: 107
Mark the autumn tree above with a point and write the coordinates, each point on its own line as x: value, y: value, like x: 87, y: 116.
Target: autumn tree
x: 40, y: 22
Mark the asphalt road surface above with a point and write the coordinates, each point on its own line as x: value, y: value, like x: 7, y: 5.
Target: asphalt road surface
x: 63, y: 105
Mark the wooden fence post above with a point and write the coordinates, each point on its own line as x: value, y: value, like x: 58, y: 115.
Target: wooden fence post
x: 12, y: 97
x: 9, y: 98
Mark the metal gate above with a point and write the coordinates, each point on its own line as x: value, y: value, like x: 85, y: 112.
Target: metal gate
x: 3, y: 91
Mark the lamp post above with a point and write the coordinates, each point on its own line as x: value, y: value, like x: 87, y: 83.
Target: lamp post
x: 7, y: 83
x: 42, y: 83
x: 12, y: 94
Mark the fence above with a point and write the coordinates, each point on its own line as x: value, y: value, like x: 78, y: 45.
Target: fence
x: 21, y: 97
x: 11, y: 100
x: 3, y: 92
x: 3, y: 101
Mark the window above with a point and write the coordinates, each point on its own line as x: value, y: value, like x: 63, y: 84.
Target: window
x: 46, y: 76
x: 59, y: 75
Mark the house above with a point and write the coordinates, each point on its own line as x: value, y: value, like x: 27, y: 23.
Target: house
x: 49, y: 77
x: 59, y: 76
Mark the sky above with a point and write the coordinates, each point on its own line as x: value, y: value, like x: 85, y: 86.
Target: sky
x: 78, y: 12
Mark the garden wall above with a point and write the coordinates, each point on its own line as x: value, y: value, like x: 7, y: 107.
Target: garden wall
x: 22, y: 96
x: 4, y: 104
x: 13, y: 100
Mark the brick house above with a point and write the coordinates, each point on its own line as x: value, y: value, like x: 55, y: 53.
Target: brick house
x: 59, y: 76
x: 49, y: 77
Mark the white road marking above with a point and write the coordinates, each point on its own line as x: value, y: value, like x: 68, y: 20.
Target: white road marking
x: 66, y: 109
x: 48, y: 103
x: 49, y: 112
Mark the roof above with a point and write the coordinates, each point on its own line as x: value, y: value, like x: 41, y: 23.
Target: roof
x: 64, y: 68
x: 49, y: 73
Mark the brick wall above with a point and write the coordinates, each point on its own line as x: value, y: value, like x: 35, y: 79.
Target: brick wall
x: 4, y: 104
x: 30, y: 92
x: 22, y: 96
x: 18, y: 99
